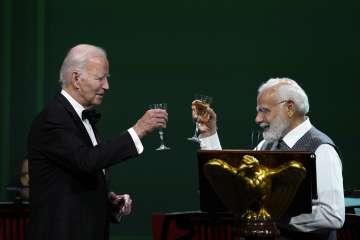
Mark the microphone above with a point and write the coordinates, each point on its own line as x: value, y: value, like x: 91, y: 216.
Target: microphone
x: 255, y: 135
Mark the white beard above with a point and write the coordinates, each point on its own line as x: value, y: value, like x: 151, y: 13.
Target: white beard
x: 277, y: 128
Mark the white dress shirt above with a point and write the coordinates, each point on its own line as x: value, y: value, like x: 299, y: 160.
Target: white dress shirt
x: 328, y: 211
x: 79, y: 108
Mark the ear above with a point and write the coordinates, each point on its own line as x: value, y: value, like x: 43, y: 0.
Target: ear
x: 290, y: 108
x: 75, y: 78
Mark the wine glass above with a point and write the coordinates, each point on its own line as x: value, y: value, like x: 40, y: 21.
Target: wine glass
x: 202, y: 103
x: 161, y: 131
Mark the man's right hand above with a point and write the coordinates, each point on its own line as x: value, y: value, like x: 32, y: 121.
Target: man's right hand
x: 152, y: 119
x: 206, y: 122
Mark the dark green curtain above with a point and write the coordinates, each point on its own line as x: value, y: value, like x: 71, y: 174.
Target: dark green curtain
x: 166, y: 51
x: 22, y: 81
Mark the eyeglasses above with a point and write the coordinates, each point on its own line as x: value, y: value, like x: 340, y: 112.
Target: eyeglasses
x: 265, y: 110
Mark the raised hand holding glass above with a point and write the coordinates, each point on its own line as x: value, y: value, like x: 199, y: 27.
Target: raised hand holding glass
x: 200, y: 106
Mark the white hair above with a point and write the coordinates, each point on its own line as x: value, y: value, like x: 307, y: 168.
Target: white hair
x: 288, y: 89
x: 76, y: 60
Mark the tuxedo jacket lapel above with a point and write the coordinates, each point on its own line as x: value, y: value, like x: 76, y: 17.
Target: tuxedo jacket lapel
x: 76, y: 118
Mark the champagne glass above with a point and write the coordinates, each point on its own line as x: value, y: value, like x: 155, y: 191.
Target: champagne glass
x: 202, y: 103
x: 161, y: 131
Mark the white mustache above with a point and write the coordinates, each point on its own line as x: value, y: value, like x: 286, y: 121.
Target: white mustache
x: 264, y: 125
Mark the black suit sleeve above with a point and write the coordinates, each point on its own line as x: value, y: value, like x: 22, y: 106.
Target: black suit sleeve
x: 59, y: 138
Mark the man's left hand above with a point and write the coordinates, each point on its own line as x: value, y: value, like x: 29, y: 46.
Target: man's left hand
x: 122, y: 202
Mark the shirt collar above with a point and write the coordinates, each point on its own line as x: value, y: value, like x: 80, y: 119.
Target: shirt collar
x: 77, y: 106
x: 294, y: 135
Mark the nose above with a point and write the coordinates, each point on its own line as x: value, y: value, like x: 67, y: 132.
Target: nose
x: 259, y: 118
x: 105, y: 84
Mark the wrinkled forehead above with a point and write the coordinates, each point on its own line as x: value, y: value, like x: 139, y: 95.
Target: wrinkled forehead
x: 98, y: 63
x: 99, y: 60
x: 267, y: 97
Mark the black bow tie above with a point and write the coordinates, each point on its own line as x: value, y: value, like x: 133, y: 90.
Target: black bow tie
x: 91, y: 115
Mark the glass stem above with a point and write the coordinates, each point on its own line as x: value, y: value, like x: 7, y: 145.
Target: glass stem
x: 196, y: 129
x: 161, y: 134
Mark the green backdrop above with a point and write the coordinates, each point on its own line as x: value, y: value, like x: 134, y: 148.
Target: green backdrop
x: 166, y: 51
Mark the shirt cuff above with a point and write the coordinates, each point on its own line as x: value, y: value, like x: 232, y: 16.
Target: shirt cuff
x: 137, y: 141
x: 210, y: 143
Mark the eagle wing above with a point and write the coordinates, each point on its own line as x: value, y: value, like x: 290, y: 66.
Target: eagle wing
x: 286, y: 180
x: 232, y: 188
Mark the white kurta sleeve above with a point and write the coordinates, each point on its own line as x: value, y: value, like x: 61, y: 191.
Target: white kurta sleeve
x: 328, y: 211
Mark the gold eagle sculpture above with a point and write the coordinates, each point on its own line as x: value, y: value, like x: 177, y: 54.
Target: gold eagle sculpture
x: 253, y: 191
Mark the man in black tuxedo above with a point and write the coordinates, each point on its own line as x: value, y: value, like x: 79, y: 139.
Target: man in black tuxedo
x: 69, y: 195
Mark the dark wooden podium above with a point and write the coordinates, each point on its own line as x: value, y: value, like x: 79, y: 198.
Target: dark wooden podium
x: 14, y: 219
x: 215, y: 221
x: 210, y: 201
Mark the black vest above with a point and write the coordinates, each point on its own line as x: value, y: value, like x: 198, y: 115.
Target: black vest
x: 309, y: 142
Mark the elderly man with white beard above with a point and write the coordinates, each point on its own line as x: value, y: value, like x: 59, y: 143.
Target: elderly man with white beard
x: 282, y: 108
